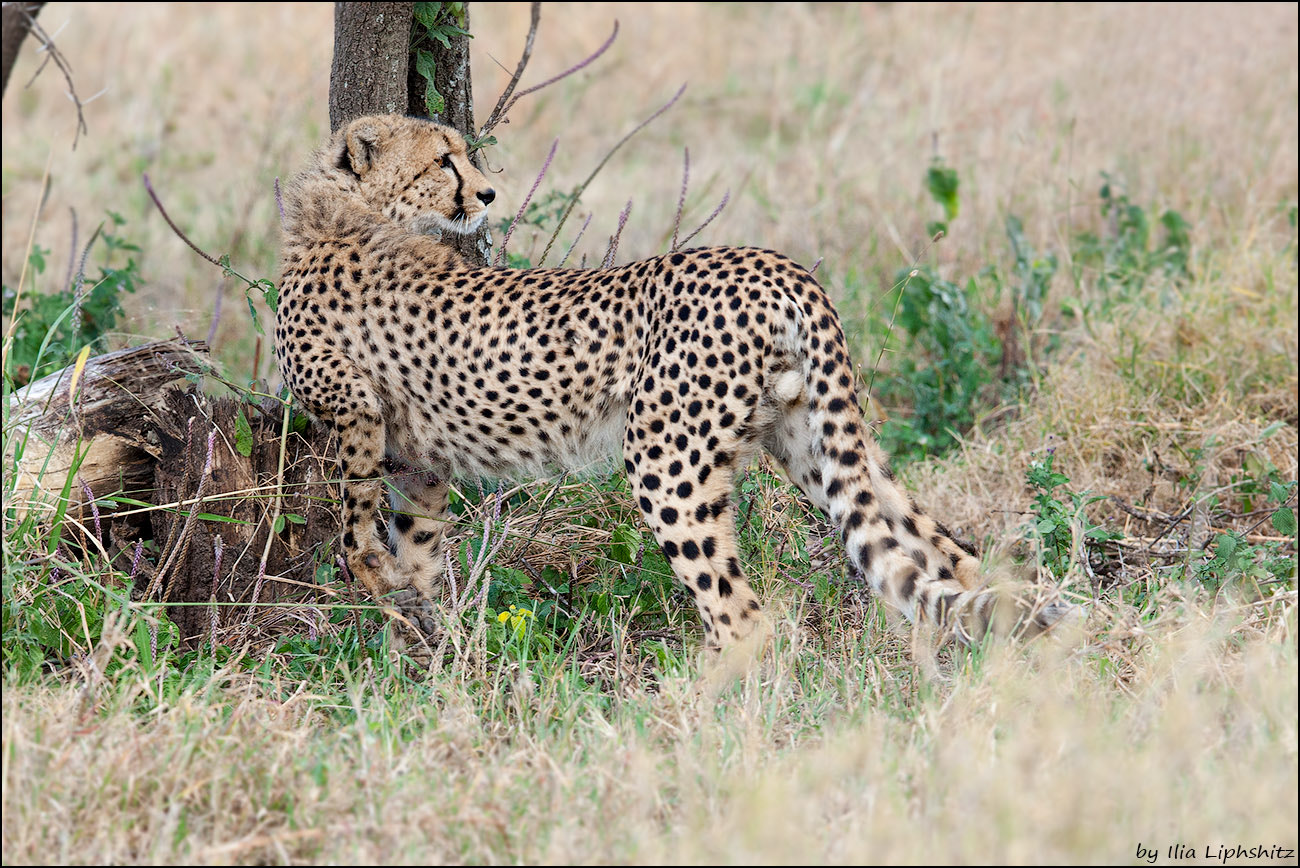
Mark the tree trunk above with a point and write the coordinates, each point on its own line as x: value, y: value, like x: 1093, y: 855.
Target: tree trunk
x: 371, y: 54
x: 375, y: 72
x: 17, y: 22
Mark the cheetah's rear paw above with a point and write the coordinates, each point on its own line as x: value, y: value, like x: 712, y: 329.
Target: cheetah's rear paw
x: 1058, y: 617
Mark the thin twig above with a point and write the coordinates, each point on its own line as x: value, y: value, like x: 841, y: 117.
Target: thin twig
x: 279, y: 484
x: 53, y: 53
x: 499, y: 109
x: 179, y: 234
x: 578, y: 191
x: 183, y: 540
x: 501, y: 251
x: 496, y: 115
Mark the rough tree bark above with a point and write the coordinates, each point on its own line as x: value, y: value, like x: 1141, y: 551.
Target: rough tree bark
x: 374, y: 72
x: 371, y: 55
x: 16, y: 22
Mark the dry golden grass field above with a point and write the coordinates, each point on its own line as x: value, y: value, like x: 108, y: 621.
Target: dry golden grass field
x: 1113, y: 300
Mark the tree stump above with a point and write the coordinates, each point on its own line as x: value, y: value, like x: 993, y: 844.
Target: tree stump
x: 221, y: 507
x: 125, y: 434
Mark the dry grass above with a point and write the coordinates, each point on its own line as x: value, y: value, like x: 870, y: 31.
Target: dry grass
x: 1173, y: 720
x: 1038, y: 760
x: 821, y: 120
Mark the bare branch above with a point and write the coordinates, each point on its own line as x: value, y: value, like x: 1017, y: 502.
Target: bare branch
x: 726, y: 197
x: 53, y: 53
x: 496, y: 117
x: 813, y: 270
x: 577, y: 192
x: 501, y: 253
x: 179, y: 234
x: 613, y: 239
x: 499, y: 109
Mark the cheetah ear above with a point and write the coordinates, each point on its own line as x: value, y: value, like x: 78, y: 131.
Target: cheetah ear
x: 361, y: 147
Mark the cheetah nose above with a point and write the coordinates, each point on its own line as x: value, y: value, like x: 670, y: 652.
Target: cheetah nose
x: 487, y: 196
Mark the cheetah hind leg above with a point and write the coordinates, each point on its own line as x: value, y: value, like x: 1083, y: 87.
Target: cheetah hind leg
x: 688, y: 506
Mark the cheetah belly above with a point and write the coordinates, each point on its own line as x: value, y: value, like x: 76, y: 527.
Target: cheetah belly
x: 483, y: 424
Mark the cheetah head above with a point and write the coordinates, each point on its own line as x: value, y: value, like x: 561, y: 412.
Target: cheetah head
x: 413, y: 171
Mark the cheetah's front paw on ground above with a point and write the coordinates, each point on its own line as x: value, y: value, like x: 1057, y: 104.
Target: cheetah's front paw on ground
x: 1060, y: 618
x: 416, y: 608
x: 415, y: 625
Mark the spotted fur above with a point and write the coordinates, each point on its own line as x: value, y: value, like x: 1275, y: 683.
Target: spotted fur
x: 689, y: 362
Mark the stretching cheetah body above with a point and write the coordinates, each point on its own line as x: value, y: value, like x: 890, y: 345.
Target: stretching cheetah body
x: 690, y: 361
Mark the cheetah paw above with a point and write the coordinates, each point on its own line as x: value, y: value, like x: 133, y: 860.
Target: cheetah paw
x: 415, y: 624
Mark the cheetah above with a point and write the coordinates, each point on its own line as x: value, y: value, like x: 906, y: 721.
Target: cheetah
x: 689, y: 362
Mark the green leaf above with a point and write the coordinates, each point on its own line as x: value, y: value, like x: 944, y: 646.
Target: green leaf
x: 243, y: 435
x: 37, y: 258
x: 278, y: 524
x: 208, y: 516
x: 252, y: 312
x: 269, y: 293
x: 425, y: 65
x: 1045, y: 525
x: 294, y: 518
x: 1284, y: 521
x: 624, y: 543
x: 1225, y: 544
x: 434, y: 104
x: 427, y: 14
x: 942, y: 182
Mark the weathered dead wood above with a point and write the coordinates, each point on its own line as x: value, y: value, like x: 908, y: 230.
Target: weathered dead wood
x: 123, y: 428
x: 102, y: 431
x: 218, y: 512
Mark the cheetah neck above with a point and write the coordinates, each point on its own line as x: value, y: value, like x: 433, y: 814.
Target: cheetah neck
x: 327, y: 208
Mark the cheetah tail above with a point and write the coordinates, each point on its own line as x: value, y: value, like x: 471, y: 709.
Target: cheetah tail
x: 909, y: 559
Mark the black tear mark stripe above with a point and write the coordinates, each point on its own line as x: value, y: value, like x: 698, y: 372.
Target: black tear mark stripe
x: 460, y: 191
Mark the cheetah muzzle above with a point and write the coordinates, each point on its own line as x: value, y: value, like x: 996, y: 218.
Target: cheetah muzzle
x: 689, y: 362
